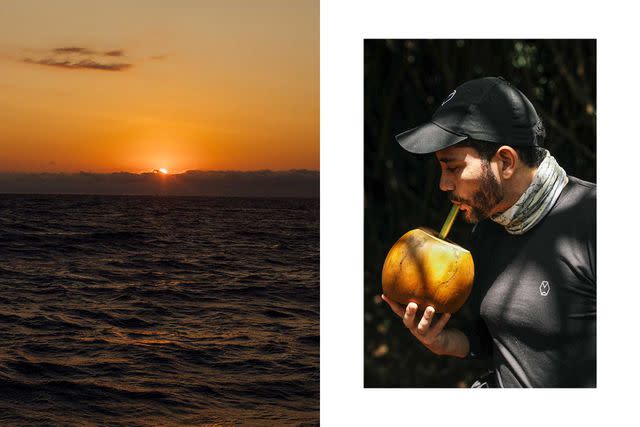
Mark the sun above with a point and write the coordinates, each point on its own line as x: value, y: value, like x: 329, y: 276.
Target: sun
x: 163, y: 170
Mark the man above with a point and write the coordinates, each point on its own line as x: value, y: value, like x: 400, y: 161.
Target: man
x: 534, y: 294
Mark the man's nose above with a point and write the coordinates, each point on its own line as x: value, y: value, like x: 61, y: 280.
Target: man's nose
x: 446, y: 183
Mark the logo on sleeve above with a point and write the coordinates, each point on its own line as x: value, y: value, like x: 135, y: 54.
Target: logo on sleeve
x: 544, y: 288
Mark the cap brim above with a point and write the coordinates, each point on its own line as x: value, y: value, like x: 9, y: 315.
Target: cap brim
x: 428, y: 138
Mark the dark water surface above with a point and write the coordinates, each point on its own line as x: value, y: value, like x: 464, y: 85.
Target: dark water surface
x: 159, y: 310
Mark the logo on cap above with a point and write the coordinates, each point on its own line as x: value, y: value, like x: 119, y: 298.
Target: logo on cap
x: 448, y: 98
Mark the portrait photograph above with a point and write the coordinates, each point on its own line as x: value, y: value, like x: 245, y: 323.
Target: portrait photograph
x: 504, y: 132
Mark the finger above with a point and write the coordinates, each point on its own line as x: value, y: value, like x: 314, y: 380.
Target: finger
x: 423, y: 326
x: 410, y: 315
x: 440, y: 324
x: 397, y: 308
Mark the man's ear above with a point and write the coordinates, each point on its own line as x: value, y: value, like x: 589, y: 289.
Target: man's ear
x: 507, y: 159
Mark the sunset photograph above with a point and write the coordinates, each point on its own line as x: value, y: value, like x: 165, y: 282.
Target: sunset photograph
x: 159, y: 200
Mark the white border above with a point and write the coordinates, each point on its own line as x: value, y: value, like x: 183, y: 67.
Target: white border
x: 344, y: 25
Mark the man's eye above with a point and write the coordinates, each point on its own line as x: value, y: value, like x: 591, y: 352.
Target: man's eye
x: 454, y: 169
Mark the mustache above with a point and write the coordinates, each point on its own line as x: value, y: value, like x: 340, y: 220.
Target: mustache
x: 453, y: 198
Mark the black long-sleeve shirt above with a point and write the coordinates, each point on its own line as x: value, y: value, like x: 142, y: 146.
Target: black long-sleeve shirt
x: 535, y: 295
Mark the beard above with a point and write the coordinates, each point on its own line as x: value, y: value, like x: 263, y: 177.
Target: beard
x: 489, y: 194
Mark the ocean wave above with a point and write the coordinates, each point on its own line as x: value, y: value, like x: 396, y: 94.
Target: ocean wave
x: 148, y: 311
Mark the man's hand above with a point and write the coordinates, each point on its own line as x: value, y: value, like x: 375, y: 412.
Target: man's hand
x: 432, y: 335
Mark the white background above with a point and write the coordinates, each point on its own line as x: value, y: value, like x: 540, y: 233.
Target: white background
x: 344, y: 400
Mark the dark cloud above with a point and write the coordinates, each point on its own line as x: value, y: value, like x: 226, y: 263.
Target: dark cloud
x: 114, y: 53
x: 80, y: 50
x: 85, y: 51
x: 293, y: 183
x: 75, y: 65
x: 75, y: 57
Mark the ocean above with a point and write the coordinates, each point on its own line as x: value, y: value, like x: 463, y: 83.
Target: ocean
x: 125, y: 310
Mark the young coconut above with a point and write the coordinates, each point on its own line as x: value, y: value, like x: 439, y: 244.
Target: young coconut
x: 425, y: 268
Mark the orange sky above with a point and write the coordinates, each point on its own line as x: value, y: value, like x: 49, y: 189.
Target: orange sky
x: 210, y: 85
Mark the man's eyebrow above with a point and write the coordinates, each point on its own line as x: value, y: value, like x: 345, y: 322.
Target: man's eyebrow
x: 447, y: 159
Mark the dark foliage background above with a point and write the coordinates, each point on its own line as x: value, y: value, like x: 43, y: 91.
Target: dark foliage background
x: 404, y: 83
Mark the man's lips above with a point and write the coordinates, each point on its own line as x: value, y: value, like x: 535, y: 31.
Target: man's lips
x: 462, y: 206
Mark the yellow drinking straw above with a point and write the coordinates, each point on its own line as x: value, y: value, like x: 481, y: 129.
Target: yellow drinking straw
x: 446, y: 227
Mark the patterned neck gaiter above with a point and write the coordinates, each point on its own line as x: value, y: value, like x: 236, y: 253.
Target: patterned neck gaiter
x: 537, y: 200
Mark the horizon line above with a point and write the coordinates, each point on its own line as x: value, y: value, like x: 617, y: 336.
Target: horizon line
x: 156, y: 171
x: 159, y: 195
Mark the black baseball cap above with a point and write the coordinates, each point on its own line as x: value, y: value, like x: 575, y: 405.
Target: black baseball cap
x: 487, y: 109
